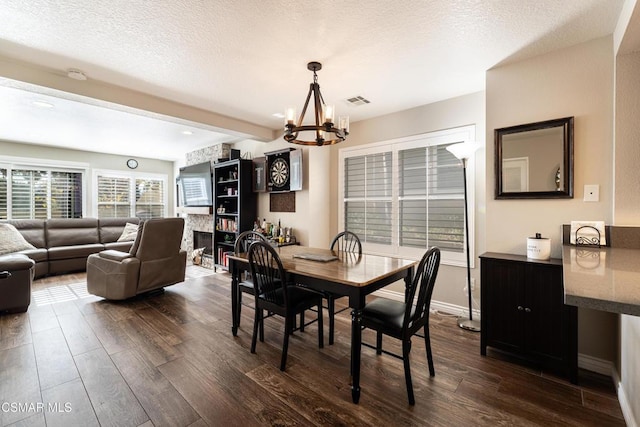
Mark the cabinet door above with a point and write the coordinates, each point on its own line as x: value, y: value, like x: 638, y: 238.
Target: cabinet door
x: 295, y: 158
x: 543, y: 313
x: 503, y: 309
x: 259, y: 175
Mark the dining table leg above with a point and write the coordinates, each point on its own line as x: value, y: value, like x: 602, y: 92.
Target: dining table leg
x: 356, y: 347
x: 234, y: 298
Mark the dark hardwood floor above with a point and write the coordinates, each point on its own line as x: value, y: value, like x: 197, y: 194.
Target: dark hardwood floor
x: 170, y: 360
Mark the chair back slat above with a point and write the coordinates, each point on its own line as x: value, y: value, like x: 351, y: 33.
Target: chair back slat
x: 268, y: 273
x: 419, y: 294
x: 245, y: 239
x: 347, y: 241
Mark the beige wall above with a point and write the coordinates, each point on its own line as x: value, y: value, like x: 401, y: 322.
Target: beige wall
x: 95, y: 161
x: 460, y: 111
x: 310, y: 221
x: 577, y: 81
x: 627, y: 206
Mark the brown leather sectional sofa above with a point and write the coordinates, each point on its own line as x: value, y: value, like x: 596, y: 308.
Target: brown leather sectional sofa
x: 63, y: 245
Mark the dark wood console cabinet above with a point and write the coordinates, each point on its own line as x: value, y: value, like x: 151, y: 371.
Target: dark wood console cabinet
x: 523, y: 312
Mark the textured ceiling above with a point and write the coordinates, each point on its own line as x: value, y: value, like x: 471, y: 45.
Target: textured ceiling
x: 247, y: 59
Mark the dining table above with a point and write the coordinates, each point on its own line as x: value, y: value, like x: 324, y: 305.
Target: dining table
x: 352, y: 275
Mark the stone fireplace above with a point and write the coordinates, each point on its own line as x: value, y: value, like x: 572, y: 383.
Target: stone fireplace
x: 201, y: 222
x: 204, y: 239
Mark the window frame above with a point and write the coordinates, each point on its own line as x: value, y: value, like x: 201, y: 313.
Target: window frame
x: 27, y: 163
x: 448, y: 136
x: 132, y: 176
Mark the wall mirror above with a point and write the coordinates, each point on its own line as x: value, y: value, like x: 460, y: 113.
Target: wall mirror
x: 535, y: 160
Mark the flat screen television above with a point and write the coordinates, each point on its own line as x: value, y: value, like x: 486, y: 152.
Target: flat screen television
x: 196, y: 185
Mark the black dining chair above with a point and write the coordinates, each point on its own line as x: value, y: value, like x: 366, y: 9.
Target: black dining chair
x: 402, y: 320
x: 276, y: 294
x: 346, y: 243
x: 348, y: 248
x: 245, y: 284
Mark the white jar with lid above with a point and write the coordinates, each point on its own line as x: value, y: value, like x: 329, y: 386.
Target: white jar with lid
x: 538, y: 247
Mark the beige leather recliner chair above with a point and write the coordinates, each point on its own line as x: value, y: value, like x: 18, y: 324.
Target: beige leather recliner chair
x: 155, y: 261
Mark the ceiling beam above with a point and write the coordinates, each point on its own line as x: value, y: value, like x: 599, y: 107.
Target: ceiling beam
x: 116, y: 97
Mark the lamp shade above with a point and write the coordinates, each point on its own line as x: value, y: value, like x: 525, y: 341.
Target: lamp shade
x: 464, y: 150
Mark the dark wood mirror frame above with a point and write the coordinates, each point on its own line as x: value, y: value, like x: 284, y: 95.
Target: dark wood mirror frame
x: 566, y: 163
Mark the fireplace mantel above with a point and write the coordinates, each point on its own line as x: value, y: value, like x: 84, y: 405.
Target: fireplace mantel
x: 192, y: 210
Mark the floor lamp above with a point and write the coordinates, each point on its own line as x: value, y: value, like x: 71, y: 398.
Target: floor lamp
x: 463, y: 152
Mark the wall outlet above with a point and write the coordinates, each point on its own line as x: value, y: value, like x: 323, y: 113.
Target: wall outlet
x: 473, y: 286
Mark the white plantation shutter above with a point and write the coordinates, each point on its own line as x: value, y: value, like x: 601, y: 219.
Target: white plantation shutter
x: 40, y: 193
x: 3, y: 194
x: 114, y: 197
x: 149, y: 198
x: 406, y: 195
x: 66, y: 195
x: 130, y: 195
x: 431, y: 199
x: 29, y: 194
x: 368, y: 185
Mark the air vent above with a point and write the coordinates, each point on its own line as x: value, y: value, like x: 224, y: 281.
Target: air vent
x: 358, y: 100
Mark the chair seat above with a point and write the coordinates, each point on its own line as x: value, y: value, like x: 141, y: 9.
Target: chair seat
x: 299, y: 298
x: 246, y: 286
x: 385, y: 314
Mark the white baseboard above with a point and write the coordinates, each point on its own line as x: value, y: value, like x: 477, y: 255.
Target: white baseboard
x: 444, y: 307
x: 594, y: 364
x: 624, y: 401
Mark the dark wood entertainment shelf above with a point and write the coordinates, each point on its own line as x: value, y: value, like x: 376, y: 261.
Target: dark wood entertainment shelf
x: 232, y: 186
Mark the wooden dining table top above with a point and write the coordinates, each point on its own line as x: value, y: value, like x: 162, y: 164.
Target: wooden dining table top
x: 349, y: 268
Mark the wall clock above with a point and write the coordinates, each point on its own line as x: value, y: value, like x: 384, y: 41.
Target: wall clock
x: 132, y: 163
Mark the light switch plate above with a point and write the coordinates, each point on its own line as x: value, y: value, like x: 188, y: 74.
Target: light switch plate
x: 592, y: 193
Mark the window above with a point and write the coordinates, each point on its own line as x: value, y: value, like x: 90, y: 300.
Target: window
x: 39, y: 193
x: 404, y: 196
x: 124, y: 195
x: 114, y: 197
x: 149, y: 198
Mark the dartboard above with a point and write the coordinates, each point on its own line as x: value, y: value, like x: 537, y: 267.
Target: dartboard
x: 279, y: 172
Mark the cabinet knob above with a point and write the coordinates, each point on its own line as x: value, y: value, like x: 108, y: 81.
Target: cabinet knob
x: 527, y: 310
x: 520, y: 308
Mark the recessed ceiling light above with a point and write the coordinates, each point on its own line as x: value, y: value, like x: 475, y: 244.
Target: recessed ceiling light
x: 278, y: 115
x: 42, y: 104
x: 187, y: 132
x: 76, y: 74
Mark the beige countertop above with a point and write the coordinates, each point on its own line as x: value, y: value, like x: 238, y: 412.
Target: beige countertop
x: 606, y: 279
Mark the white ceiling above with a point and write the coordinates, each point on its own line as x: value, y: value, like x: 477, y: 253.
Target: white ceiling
x: 247, y: 60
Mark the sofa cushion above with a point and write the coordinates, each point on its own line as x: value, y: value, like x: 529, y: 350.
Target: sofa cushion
x: 71, y: 231
x: 15, y: 262
x: 115, y: 255
x: 119, y: 246
x: 11, y: 240
x: 129, y: 233
x: 75, y: 251
x: 31, y: 229
x: 38, y: 254
x: 111, y: 228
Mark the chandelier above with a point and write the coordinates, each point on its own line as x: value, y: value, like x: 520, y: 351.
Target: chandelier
x: 324, y: 131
